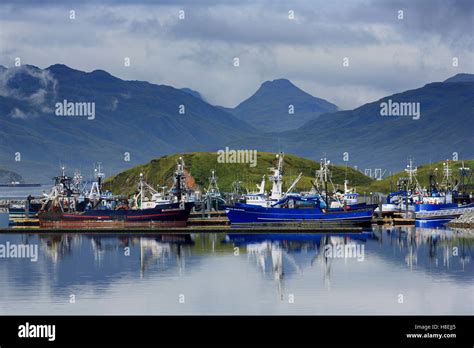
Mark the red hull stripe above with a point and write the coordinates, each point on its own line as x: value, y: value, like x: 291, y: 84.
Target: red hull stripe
x: 96, y: 217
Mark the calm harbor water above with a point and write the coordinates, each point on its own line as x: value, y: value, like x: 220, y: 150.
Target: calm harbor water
x: 401, y: 270
x: 23, y: 192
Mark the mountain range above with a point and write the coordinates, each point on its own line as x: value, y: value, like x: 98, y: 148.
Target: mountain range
x: 136, y: 121
x: 444, y: 129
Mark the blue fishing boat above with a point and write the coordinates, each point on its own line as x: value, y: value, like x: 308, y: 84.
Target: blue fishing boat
x: 440, y: 210
x: 297, y: 210
x: 408, y: 193
x: 290, y: 208
x: 446, y: 204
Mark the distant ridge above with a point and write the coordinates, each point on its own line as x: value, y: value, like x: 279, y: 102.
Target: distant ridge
x: 462, y: 77
x: 193, y: 93
x: 133, y: 119
x: 374, y: 141
x: 137, y: 120
x: 7, y: 176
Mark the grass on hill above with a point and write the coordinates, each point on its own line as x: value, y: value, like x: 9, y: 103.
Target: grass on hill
x: 390, y: 183
x: 158, y: 172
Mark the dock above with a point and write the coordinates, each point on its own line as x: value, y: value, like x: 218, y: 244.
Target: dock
x: 213, y: 218
x: 209, y: 222
x: 186, y: 230
x: 199, y: 222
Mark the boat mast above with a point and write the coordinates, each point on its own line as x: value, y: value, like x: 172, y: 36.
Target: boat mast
x: 96, y: 188
x: 465, y: 175
x: 141, y: 190
x: 412, y: 180
x: 447, y: 175
x: 292, y: 186
x: 324, y: 167
x: 180, y: 189
x: 411, y: 170
x: 277, y: 178
x: 261, y: 187
x: 213, y: 189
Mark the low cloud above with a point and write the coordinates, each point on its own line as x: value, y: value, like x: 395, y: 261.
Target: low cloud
x: 17, y: 113
x: 30, y: 85
x: 387, y: 55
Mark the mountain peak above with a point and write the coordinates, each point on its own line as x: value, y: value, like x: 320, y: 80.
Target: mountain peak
x: 61, y: 68
x: 279, y: 83
x: 461, y: 77
x: 100, y: 72
x: 58, y: 67
x: 192, y: 92
x: 27, y: 67
x: 279, y: 105
x: 103, y: 75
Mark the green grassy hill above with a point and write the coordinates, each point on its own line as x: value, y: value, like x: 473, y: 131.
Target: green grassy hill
x: 422, y: 176
x: 158, y: 172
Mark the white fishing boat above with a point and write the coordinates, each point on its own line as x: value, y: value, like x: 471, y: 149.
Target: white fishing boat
x: 260, y: 198
x: 348, y: 198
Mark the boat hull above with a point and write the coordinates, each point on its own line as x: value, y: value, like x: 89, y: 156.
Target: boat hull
x: 244, y: 214
x: 171, y: 214
x: 441, y: 211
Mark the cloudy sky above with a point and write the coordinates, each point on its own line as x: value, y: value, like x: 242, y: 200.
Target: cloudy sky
x: 386, y: 54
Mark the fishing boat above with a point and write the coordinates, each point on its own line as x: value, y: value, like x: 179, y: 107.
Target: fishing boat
x: 171, y: 214
x: 348, y: 199
x: 65, y: 206
x: 297, y: 210
x: 408, y: 194
x: 336, y: 200
x: 212, y: 200
x: 260, y: 198
x: 288, y: 209
x: 449, y: 202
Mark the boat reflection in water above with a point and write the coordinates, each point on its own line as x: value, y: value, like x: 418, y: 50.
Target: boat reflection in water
x: 327, y: 273
x: 162, y: 249
x: 152, y: 248
x: 282, y: 253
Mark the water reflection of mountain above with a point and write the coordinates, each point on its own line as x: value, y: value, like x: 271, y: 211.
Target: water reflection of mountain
x: 69, y: 260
